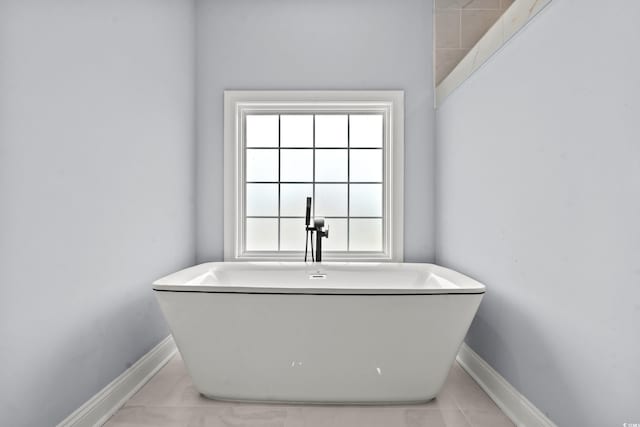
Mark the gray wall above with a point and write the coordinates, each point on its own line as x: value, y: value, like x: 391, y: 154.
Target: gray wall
x: 96, y: 192
x: 310, y: 44
x: 539, y: 197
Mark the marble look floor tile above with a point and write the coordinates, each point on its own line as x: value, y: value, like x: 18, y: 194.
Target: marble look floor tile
x: 169, y: 390
x: 346, y: 416
x: 171, y: 386
x: 143, y: 416
x: 467, y: 393
x: 174, y: 366
x: 169, y: 399
x: 436, y: 418
x: 480, y: 418
x: 250, y: 415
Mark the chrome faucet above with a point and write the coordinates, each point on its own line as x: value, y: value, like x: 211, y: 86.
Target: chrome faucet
x: 321, y: 231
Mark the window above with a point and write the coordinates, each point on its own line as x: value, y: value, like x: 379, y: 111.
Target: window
x: 342, y: 148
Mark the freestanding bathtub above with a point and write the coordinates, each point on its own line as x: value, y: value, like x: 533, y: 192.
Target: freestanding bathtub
x: 328, y: 333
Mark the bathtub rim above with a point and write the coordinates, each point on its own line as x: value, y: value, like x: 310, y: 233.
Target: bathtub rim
x: 462, y: 284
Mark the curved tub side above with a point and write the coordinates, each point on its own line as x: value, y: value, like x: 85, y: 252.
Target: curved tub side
x: 318, y: 348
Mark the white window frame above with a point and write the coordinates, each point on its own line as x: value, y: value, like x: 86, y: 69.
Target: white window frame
x: 237, y: 104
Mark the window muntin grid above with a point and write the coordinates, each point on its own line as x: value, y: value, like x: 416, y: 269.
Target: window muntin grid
x: 350, y: 219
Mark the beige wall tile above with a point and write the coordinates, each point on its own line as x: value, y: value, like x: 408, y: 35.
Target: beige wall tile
x: 459, y: 24
x: 475, y: 23
x: 467, y: 4
x: 446, y: 60
x: 481, y: 4
x: 513, y: 18
x: 504, y: 4
x: 449, y: 4
x: 448, y: 28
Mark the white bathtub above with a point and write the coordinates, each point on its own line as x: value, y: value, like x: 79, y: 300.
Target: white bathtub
x: 334, y: 333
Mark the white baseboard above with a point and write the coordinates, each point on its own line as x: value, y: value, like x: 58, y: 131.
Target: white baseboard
x: 522, y: 412
x: 97, y: 410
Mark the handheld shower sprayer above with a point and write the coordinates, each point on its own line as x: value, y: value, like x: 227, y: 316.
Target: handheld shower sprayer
x: 307, y: 220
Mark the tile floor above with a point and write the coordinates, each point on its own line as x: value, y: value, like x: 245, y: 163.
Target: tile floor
x: 170, y: 399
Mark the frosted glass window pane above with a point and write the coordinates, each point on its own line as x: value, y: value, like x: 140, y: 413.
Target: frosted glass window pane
x: 262, y: 165
x: 366, y: 165
x: 331, y: 130
x: 331, y: 165
x: 365, y: 130
x: 292, y: 234
x: 337, y: 240
x: 366, y: 200
x: 262, y: 130
x: 262, y: 199
x: 297, y: 130
x: 296, y: 165
x: 293, y: 199
x: 262, y: 234
x: 331, y: 200
x: 365, y: 235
